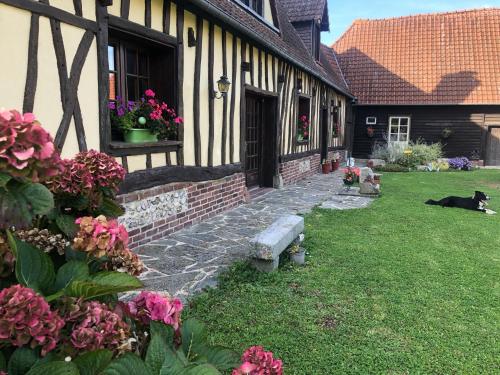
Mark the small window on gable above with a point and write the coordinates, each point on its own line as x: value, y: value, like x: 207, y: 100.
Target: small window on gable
x: 304, y: 119
x: 135, y: 66
x: 255, y: 5
x: 370, y: 120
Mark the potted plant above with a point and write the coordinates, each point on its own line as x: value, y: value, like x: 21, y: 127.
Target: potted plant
x: 147, y: 120
x: 350, y: 176
x: 335, y: 161
x: 298, y: 254
x: 303, y: 129
x: 325, y: 166
x: 370, y: 131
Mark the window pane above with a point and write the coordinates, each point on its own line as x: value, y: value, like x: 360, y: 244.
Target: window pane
x: 143, y: 86
x: 394, y: 130
x: 404, y: 121
x: 131, y: 61
x: 394, y: 137
x: 403, y: 137
x: 111, y: 57
x: 132, y: 88
x: 394, y: 121
x: 143, y: 64
x: 403, y: 129
x: 112, y: 86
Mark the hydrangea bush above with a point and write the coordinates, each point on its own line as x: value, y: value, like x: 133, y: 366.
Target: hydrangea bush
x: 64, y: 261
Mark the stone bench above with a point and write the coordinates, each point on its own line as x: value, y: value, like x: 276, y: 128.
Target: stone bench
x: 270, y: 243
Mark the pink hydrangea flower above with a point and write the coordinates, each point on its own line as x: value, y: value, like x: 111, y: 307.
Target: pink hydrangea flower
x: 94, y: 326
x: 256, y: 361
x: 149, y: 93
x: 148, y: 306
x: 26, y: 149
x: 26, y: 318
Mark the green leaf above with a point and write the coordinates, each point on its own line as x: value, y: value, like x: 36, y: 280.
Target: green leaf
x: 174, y: 363
x: 193, y: 333
x: 72, y: 270
x: 93, y: 363
x: 219, y: 357
x: 34, y: 268
x: 55, y: 368
x: 110, y: 208
x: 66, y: 224
x: 205, y: 369
x: 101, y: 284
x: 127, y: 364
x: 21, y: 361
x: 4, y: 179
x: 162, y: 340
x: 39, y: 197
x: 3, y: 362
x: 72, y: 254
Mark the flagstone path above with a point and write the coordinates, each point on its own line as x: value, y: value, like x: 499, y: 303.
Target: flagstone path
x: 190, y: 260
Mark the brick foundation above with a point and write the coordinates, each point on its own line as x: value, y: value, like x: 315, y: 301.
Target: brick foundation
x: 154, y: 213
x: 299, y: 169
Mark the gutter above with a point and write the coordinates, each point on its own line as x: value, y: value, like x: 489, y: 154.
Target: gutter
x: 224, y: 17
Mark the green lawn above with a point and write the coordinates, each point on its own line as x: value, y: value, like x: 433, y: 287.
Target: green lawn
x: 397, y: 288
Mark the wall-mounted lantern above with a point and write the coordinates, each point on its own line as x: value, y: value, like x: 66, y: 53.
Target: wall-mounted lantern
x: 223, y: 85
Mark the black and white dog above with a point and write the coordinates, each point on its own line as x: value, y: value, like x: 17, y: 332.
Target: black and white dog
x: 477, y: 203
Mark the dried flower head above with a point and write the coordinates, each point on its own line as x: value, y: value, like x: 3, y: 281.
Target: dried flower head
x: 26, y: 149
x: 148, y: 306
x: 7, y: 259
x: 44, y: 240
x: 26, y: 318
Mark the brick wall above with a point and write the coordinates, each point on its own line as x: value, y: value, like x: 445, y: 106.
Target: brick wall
x: 191, y: 202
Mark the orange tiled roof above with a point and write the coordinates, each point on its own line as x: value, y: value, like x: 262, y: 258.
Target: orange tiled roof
x: 446, y: 58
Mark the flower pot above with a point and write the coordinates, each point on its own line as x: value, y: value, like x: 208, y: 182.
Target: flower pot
x: 326, y: 168
x: 140, y: 136
x: 299, y: 258
x: 335, y: 165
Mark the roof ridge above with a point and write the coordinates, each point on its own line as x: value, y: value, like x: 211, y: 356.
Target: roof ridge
x: 454, y: 12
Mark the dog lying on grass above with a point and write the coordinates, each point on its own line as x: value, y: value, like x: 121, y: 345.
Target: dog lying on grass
x: 477, y: 203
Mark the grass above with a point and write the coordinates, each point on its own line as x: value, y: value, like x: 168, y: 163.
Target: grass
x: 397, y: 288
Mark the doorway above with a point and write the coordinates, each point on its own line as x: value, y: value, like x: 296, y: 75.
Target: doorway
x: 260, y: 140
x: 493, y: 146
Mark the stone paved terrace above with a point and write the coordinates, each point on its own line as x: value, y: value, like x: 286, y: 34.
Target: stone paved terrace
x: 189, y: 260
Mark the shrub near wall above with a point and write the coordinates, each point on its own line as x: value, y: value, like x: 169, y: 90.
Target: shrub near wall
x: 64, y: 260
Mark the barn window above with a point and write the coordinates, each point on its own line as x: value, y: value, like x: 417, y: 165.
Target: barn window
x: 336, y: 118
x: 304, y: 119
x: 137, y: 64
x: 370, y: 120
x: 399, y: 129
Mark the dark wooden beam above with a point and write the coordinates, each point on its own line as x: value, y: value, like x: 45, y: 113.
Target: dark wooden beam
x: 147, y: 13
x: 125, y: 9
x: 46, y: 10
x: 78, y: 7
x: 196, y: 91
x: 149, y: 178
x: 125, y: 163
x: 166, y: 16
x: 136, y: 29
x: 168, y: 159
x: 71, y: 91
x: 149, y: 163
x: 243, y: 109
x: 211, y: 110
x: 32, y: 69
x: 122, y: 148
x: 234, y: 79
x: 180, y: 76
x: 224, y: 104
x: 103, y: 76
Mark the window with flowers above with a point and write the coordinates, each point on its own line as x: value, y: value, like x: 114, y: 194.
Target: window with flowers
x: 304, y: 120
x: 336, y: 114
x: 142, y: 88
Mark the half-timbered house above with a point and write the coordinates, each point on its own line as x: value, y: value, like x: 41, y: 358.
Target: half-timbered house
x: 65, y: 60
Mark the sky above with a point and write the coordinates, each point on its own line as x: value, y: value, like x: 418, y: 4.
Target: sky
x: 342, y: 13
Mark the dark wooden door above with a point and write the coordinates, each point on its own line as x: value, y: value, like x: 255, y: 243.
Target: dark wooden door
x: 493, y: 146
x: 260, y: 128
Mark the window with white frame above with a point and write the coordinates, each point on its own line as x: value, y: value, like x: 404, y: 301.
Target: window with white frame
x: 399, y: 129
x: 370, y: 120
